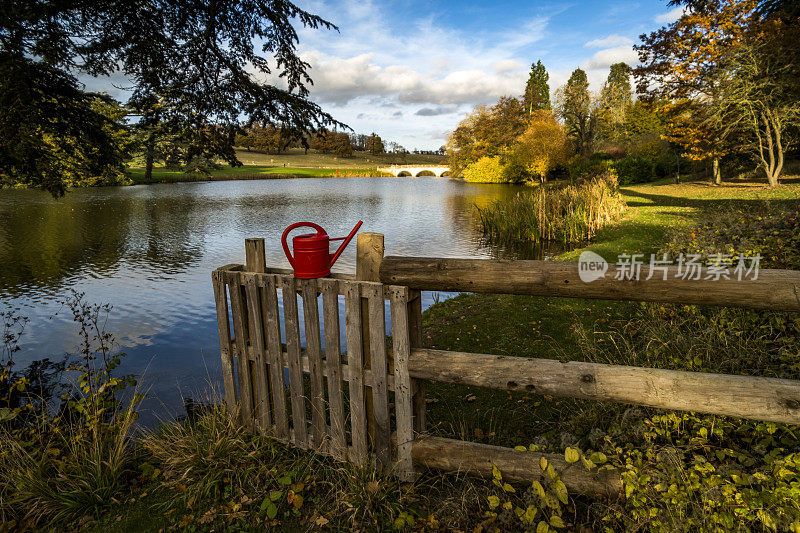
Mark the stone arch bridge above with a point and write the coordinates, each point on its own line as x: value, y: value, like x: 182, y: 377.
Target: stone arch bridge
x: 416, y: 170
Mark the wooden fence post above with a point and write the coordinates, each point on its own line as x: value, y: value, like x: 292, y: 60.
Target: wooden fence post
x: 256, y: 261
x: 369, y: 254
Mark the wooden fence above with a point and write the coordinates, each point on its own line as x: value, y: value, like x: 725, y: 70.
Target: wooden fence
x: 342, y: 407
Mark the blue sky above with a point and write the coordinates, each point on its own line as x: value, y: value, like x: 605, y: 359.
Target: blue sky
x: 410, y: 70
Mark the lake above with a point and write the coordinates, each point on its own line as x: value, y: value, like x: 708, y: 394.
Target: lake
x: 149, y: 250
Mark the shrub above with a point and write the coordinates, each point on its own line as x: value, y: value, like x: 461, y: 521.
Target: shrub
x: 485, y: 170
x: 634, y: 169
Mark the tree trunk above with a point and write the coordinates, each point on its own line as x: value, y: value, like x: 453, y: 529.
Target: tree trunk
x: 715, y: 172
x: 149, y: 157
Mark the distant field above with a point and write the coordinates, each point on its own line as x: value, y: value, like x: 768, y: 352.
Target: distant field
x: 298, y: 165
x: 246, y: 172
x: 296, y: 158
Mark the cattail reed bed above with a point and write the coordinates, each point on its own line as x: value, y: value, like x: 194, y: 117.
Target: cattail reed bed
x: 553, y: 213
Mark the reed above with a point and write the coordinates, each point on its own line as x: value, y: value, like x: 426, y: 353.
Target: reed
x: 554, y: 213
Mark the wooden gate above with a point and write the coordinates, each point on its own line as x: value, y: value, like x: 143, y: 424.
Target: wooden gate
x: 337, y: 404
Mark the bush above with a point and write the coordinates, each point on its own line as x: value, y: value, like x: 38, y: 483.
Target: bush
x: 634, y: 169
x: 486, y: 170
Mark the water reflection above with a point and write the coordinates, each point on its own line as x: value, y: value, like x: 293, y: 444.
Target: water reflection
x: 149, y: 251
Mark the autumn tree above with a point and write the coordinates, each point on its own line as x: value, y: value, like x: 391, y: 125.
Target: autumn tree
x: 575, y: 105
x: 486, y: 132
x: 541, y: 147
x: 683, y: 64
x: 762, y: 98
x: 537, y: 91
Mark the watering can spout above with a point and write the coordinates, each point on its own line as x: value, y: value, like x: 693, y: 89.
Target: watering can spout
x: 347, y: 240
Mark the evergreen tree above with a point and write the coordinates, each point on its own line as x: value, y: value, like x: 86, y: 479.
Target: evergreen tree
x: 576, y: 108
x: 537, y: 91
x: 615, y: 100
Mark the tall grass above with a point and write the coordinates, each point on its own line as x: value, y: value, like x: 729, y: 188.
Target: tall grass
x: 553, y: 213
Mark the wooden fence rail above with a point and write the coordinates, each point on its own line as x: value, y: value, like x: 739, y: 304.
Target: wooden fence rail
x: 368, y: 404
x: 777, y: 290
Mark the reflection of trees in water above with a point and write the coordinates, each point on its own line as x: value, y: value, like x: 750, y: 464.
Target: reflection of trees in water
x: 166, y: 233
x: 45, y: 241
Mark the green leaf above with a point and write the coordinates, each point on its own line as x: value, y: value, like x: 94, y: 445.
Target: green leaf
x: 285, y: 480
x: 556, y: 521
x: 521, y: 448
x: 538, y: 488
x: 272, y: 511
x: 572, y: 455
x: 561, y: 491
x: 494, y: 501
x: 508, y: 488
x: 496, y: 473
x: 542, y: 527
x: 543, y: 464
x: 275, y: 495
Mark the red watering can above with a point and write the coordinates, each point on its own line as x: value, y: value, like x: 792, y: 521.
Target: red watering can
x: 312, y: 257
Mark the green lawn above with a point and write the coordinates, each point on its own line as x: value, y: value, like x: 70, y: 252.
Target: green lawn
x: 162, y: 175
x: 526, y: 326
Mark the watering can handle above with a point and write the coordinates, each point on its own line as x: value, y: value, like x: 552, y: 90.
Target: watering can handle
x: 347, y: 240
x: 286, y: 234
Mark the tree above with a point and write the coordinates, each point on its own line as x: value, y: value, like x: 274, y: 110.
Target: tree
x: 52, y: 134
x: 537, y: 91
x: 374, y: 144
x: 762, y: 99
x: 199, y: 55
x: 615, y: 101
x: 575, y: 105
x: 541, y: 147
x: 682, y: 64
x: 485, y: 132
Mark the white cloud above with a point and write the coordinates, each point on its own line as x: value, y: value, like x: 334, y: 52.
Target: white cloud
x: 670, y: 16
x: 609, y: 56
x: 610, y: 41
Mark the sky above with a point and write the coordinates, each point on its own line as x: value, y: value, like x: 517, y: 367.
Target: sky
x: 411, y: 70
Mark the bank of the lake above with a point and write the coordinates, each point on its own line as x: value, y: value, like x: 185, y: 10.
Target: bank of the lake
x: 248, y: 172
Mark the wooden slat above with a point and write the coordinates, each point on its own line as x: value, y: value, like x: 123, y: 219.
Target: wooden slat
x: 333, y: 364
x: 297, y: 393
x: 274, y: 355
x: 226, y: 353
x: 777, y: 290
x: 474, y: 458
x: 415, y: 336
x: 240, y: 333
x: 365, y: 375
x: 756, y: 398
x: 257, y: 344
x: 380, y: 399
x: 308, y: 289
x: 401, y: 347
x: 355, y: 385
